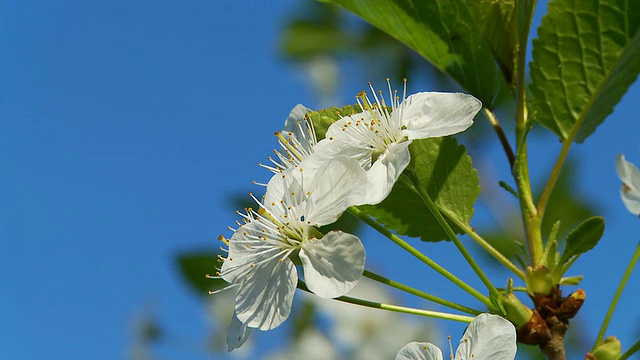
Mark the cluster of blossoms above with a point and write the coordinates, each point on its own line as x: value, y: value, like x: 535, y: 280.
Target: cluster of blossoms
x: 357, y: 162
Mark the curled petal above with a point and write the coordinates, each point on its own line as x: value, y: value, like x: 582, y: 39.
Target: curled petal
x: 265, y: 295
x: 419, y: 351
x: 630, y: 191
x: 435, y: 114
x: 334, y: 264
x: 385, y: 172
x: 295, y: 116
x: 301, y: 129
x: 237, y: 333
x: 488, y: 337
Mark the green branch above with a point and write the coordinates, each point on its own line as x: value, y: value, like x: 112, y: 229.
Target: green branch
x: 486, y: 245
x: 420, y: 256
x: 632, y: 350
x: 383, y: 280
x: 395, y: 308
x: 493, y: 120
x: 452, y: 235
x: 616, y: 297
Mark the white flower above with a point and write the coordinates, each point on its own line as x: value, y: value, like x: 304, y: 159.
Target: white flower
x: 379, y: 140
x: 297, y: 140
x: 488, y: 337
x: 259, y: 263
x: 630, y: 190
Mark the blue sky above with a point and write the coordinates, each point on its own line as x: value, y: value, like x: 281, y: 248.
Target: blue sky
x: 124, y: 129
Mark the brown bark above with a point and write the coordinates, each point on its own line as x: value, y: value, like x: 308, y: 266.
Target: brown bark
x: 550, y: 321
x: 554, y: 348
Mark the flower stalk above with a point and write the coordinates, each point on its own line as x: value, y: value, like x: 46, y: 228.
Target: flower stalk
x: 452, y: 235
x: 383, y: 280
x: 420, y: 256
x: 396, y: 308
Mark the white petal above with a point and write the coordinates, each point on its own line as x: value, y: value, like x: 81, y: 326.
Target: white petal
x: 434, y: 114
x: 244, y: 249
x: 385, y: 172
x: 334, y: 264
x: 296, y: 125
x: 335, y: 129
x: 285, y: 186
x: 237, y: 333
x: 344, y: 144
x: 488, y: 337
x: 419, y: 351
x: 630, y: 176
x: 338, y: 184
x: 265, y: 294
x: 295, y: 116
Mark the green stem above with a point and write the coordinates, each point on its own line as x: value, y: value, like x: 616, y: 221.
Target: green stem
x: 383, y: 280
x: 525, y: 10
x: 452, y: 235
x: 616, y: 296
x: 632, y: 350
x: 493, y: 120
x: 485, y: 245
x: 420, y: 256
x: 395, y: 308
x: 553, y: 178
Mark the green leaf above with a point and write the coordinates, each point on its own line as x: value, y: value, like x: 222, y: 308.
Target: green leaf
x: 585, y: 58
x: 443, y: 32
x: 446, y: 170
x: 496, y: 21
x: 583, y: 238
x: 323, y: 118
x: 194, y: 267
